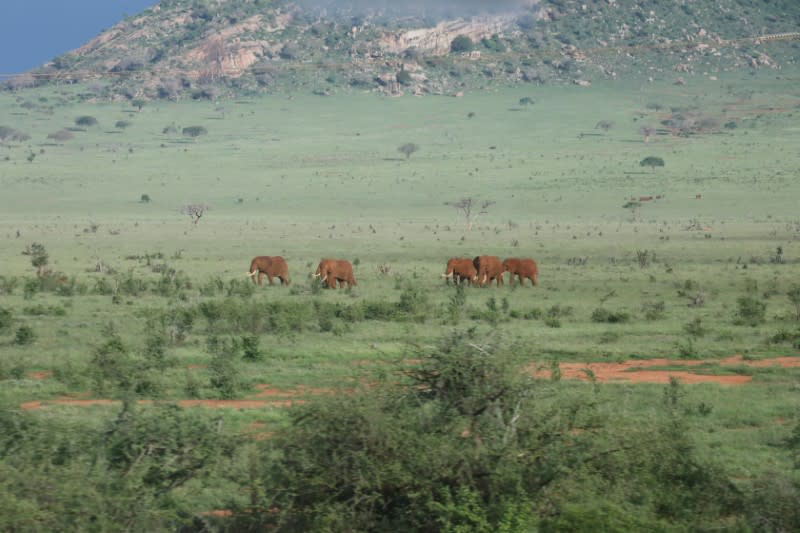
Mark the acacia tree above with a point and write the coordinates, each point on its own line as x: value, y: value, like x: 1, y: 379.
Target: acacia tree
x: 39, y: 257
x: 195, y: 211
x: 652, y: 162
x: 467, y: 206
x: 407, y: 149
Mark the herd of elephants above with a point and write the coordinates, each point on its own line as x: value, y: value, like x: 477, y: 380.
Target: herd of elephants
x: 481, y: 270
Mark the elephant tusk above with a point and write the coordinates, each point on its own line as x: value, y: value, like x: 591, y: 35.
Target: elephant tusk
x: 253, y: 273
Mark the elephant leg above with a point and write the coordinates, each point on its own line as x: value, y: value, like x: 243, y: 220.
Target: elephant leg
x: 260, y: 279
x: 269, y: 277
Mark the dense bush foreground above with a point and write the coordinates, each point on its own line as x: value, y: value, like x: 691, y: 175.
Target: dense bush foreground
x: 461, y: 441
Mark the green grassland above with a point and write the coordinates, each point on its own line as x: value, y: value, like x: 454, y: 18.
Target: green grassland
x: 308, y: 177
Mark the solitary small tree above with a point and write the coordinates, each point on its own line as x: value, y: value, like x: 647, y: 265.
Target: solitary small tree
x: 39, y: 257
x: 467, y: 207
x: 408, y: 149
x: 652, y: 162
x: 195, y: 211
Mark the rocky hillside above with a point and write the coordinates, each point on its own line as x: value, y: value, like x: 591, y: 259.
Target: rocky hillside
x: 204, y: 48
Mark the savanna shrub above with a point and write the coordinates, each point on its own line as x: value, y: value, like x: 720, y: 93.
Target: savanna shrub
x: 653, y: 310
x: 24, y: 336
x: 750, y: 312
x: 6, y: 319
x: 194, y: 131
x: 250, y: 348
x: 601, y: 314
x: 85, y: 120
x: 224, y: 374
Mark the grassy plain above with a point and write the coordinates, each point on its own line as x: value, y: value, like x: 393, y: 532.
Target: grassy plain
x: 308, y: 177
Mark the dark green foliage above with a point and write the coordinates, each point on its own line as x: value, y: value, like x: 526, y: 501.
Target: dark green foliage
x: 38, y: 255
x: 250, y: 348
x: 601, y: 314
x: 224, y: 374
x: 163, y: 446
x: 121, y: 124
x: 750, y: 312
x: 468, y: 443
x: 526, y: 100
x: 404, y: 77
x: 111, y: 366
x: 414, y: 302
x: 8, y: 284
x: 494, y: 43
x: 461, y: 43
x: 85, y: 120
x: 652, y: 162
x: 41, y: 310
x: 194, y: 131
x: 144, y: 199
x: 6, y: 319
x: 24, y: 336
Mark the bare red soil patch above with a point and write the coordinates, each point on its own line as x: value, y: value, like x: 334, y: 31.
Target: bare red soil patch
x: 639, y: 371
x: 44, y: 374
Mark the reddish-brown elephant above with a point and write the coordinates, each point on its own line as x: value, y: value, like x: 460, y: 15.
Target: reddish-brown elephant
x: 332, y: 270
x: 270, y: 266
x: 523, y: 268
x: 489, y: 268
x: 460, y: 269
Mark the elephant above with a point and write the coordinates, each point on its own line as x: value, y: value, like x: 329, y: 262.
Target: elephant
x: 523, y: 268
x: 460, y: 269
x: 271, y: 266
x: 333, y: 270
x: 488, y: 268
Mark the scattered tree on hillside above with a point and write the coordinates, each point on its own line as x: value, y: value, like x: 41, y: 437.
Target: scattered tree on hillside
x: 145, y: 199
x: 138, y: 103
x: 407, y: 149
x: 467, y: 207
x: 461, y: 43
x: 195, y: 211
x: 652, y: 162
x: 194, y: 131
x: 85, y: 120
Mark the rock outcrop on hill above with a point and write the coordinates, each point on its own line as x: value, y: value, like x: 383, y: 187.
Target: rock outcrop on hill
x: 201, y: 49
